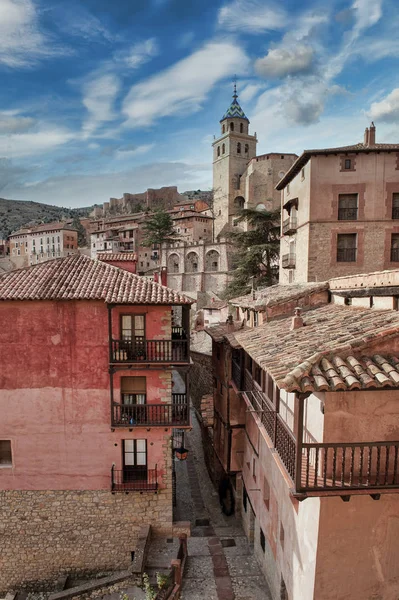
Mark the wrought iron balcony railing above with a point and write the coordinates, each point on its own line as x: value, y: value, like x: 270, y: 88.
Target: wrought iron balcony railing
x: 153, y: 415
x: 346, y: 254
x: 150, y: 351
x: 290, y: 226
x: 127, y: 480
x: 288, y: 261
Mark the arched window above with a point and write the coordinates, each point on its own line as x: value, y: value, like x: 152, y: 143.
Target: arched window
x: 212, y: 261
x: 246, y: 148
x: 239, y: 202
x: 218, y: 150
x: 223, y: 129
x: 223, y: 148
x: 238, y: 148
x: 231, y: 126
x: 173, y: 263
x: 191, y: 265
x: 241, y: 128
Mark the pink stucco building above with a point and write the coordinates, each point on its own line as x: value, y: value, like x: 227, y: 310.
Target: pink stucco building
x: 340, y: 211
x: 306, y: 428
x: 93, y: 380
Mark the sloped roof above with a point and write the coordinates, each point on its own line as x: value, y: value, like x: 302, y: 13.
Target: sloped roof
x: 307, y: 154
x: 275, y: 294
x: 44, y: 227
x: 300, y: 360
x: 234, y: 110
x: 79, y: 277
x: 221, y: 331
x: 116, y: 256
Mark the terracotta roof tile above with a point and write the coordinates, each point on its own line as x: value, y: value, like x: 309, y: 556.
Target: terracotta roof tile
x: 329, y: 352
x: 116, y: 256
x: 223, y: 331
x: 278, y: 293
x: 78, y: 277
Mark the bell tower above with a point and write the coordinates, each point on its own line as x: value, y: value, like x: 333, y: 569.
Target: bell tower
x: 231, y: 152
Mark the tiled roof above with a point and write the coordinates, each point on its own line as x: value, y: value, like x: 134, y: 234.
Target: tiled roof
x: 78, y: 277
x: 220, y: 332
x: 307, y: 154
x: 329, y: 352
x: 234, y: 110
x: 116, y: 256
x: 278, y: 293
x: 44, y: 227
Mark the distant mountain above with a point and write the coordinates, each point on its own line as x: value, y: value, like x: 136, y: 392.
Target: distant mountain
x: 207, y: 196
x: 15, y: 214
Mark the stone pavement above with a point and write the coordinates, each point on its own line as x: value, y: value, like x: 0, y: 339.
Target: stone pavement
x: 221, y: 564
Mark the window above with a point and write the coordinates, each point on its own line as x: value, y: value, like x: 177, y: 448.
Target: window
x: 346, y: 247
x: 223, y: 129
x: 348, y: 163
x: 133, y: 390
x: 288, y: 188
x: 218, y: 150
x: 241, y: 128
x: 134, y: 455
x: 254, y: 469
x: 256, y: 318
x: 262, y: 540
x: 238, y: 148
x: 5, y: 453
x: 347, y: 207
x: 246, y: 148
x: 395, y: 205
x: 132, y: 326
x: 245, y: 499
x: 223, y: 148
x: 282, y: 536
x: 266, y: 493
x: 395, y: 247
x: 231, y: 126
x: 33, y: 242
x: 303, y: 173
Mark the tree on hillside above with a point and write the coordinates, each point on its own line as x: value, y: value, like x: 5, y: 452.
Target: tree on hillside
x: 158, y: 229
x: 257, y: 251
x: 76, y: 224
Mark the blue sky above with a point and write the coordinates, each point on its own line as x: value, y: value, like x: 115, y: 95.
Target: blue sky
x: 102, y: 97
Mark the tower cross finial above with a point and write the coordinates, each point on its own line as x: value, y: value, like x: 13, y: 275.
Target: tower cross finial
x: 235, y: 86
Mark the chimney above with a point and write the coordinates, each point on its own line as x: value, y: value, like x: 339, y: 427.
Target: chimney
x: 156, y: 276
x: 297, y: 320
x: 366, y: 136
x: 164, y: 276
x: 229, y: 323
x: 372, y: 135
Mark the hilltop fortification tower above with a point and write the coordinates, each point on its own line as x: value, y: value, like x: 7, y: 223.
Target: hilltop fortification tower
x: 231, y: 153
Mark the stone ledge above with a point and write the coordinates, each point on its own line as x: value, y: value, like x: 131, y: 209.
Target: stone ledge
x: 141, y: 551
x: 91, y: 586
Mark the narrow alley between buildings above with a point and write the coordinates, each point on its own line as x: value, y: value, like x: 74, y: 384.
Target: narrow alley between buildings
x: 221, y: 563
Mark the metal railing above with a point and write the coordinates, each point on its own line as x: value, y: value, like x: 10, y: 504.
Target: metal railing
x: 394, y: 254
x: 288, y: 261
x: 349, y: 466
x: 164, y: 415
x: 290, y: 225
x: 346, y: 254
x: 347, y: 214
x: 125, y: 351
x: 134, y: 481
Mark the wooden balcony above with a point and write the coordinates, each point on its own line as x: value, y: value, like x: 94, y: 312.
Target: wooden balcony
x: 288, y: 261
x: 290, y: 226
x: 124, y: 480
x: 176, y: 414
x: 150, y: 351
x: 328, y: 468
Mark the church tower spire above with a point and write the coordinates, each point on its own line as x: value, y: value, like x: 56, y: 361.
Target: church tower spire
x: 232, y: 151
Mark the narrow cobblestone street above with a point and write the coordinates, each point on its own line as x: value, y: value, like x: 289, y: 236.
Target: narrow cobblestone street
x: 221, y: 564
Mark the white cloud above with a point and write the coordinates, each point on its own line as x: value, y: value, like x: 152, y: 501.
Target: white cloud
x: 21, y: 41
x: 182, y: 88
x: 253, y: 16
x: 12, y: 122
x: 250, y: 91
x: 386, y: 110
x: 139, y: 53
x: 280, y: 62
x: 367, y: 13
x: 82, y: 189
x: 37, y: 142
x: 99, y: 97
x: 127, y: 153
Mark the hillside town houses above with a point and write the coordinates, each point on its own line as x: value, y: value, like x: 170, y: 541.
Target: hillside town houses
x: 300, y: 418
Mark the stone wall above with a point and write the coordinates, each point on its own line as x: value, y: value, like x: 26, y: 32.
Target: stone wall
x: 200, y: 378
x: 48, y: 533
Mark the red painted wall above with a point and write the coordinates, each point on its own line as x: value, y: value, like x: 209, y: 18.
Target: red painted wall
x: 55, y: 398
